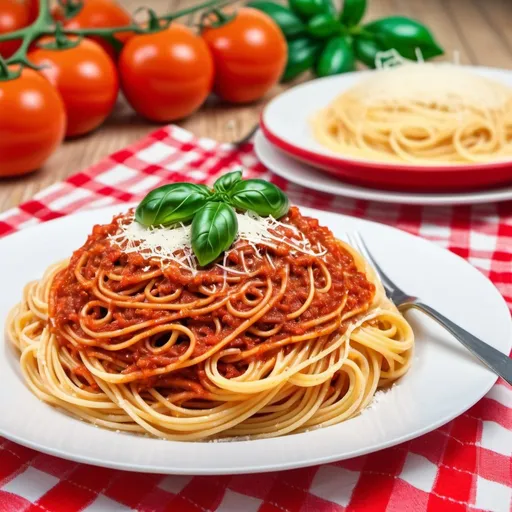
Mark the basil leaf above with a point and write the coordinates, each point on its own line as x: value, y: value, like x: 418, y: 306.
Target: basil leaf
x: 352, y: 12
x: 308, y: 8
x: 323, y: 25
x: 290, y: 24
x: 337, y: 57
x: 259, y: 196
x: 404, y: 35
x: 214, y: 229
x: 225, y: 183
x: 302, y: 53
x: 366, y: 50
x: 177, y: 202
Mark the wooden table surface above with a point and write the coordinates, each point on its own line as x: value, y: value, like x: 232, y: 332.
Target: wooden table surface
x: 479, y: 30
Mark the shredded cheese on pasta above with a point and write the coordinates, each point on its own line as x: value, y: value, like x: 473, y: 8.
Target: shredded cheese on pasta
x: 174, y: 243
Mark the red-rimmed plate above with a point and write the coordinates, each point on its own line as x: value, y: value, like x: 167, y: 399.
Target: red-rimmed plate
x: 300, y: 173
x: 286, y: 124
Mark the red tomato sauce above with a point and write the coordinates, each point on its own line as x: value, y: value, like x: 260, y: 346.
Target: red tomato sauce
x: 126, y: 277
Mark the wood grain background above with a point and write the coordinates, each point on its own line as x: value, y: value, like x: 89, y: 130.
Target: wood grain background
x: 479, y: 30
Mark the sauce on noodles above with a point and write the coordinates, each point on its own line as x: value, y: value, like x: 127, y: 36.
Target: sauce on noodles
x: 279, y: 336
x: 101, y: 270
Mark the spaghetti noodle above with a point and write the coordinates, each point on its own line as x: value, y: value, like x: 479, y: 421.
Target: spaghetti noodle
x: 420, y: 114
x: 281, y: 336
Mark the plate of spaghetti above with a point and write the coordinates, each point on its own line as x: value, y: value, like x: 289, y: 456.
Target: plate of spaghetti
x: 415, y: 126
x: 221, y: 330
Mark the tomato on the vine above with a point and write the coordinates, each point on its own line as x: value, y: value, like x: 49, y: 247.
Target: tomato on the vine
x: 33, y: 10
x: 166, y: 75
x: 32, y: 123
x: 249, y: 54
x: 98, y: 14
x: 13, y: 16
x: 86, y: 78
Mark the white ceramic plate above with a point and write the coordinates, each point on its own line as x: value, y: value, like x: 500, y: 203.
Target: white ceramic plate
x: 444, y: 381
x: 307, y: 176
x: 286, y: 120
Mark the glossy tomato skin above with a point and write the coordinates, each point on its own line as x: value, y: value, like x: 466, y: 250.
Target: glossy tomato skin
x: 86, y: 78
x: 166, y: 75
x: 98, y: 14
x: 33, y: 10
x: 32, y: 123
x: 13, y: 16
x: 249, y: 53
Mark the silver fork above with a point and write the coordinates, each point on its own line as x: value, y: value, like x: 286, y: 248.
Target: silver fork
x: 495, y: 360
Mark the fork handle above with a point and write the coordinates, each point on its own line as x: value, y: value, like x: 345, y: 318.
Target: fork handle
x: 498, y: 362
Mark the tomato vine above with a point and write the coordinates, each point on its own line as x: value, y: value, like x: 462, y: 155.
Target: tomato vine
x: 45, y: 25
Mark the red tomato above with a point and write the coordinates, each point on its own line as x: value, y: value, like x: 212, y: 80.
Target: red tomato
x: 166, y: 75
x: 249, y: 54
x: 33, y: 10
x: 98, y: 14
x: 86, y: 78
x: 32, y: 123
x: 13, y: 15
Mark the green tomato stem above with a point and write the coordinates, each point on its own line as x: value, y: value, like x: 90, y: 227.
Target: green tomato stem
x: 4, y: 70
x: 6, y: 73
x: 70, y: 8
x: 15, y: 34
x: 105, y: 32
x: 45, y: 25
x: 30, y: 33
x: 193, y: 9
x: 61, y: 41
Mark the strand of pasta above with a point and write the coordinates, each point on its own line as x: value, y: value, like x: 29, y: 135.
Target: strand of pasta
x: 304, y: 385
x: 415, y: 130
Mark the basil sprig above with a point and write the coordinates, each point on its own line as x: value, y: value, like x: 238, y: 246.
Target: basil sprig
x: 257, y: 196
x: 330, y: 42
x: 212, y: 212
x: 214, y: 229
x: 227, y: 181
x: 170, y: 204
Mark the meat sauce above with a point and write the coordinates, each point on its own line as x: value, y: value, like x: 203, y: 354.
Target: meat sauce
x: 129, y: 275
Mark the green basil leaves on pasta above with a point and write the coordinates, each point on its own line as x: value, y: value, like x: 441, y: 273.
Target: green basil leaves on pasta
x: 227, y: 181
x: 259, y: 196
x: 214, y: 229
x: 212, y: 211
x: 173, y: 203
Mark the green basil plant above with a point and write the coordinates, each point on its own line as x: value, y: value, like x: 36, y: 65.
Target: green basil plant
x: 330, y: 43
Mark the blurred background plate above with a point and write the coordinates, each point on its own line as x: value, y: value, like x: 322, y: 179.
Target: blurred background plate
x: 307, y: 176
x: 285, y: 122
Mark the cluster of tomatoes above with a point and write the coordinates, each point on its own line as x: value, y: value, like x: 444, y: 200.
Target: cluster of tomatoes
x: 165, y: 74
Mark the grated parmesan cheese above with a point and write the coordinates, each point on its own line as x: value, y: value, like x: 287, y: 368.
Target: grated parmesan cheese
x: 449, y: 86
x: 174, y: 243
x: 380, y: 396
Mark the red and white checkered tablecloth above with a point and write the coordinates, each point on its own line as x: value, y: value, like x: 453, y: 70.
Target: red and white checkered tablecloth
x: 465, y: 465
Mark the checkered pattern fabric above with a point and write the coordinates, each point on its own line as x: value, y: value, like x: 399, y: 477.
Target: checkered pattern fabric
x: 464, y: 465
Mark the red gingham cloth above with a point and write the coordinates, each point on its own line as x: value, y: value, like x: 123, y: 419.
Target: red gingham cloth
x: 465, y: 465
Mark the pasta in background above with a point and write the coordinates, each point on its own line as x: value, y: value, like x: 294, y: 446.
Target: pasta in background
x: 420, y: 114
